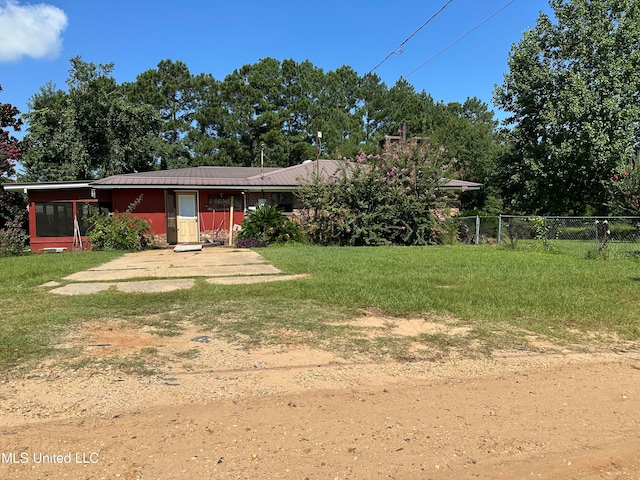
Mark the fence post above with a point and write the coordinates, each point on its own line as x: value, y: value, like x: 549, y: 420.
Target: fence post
x: 499, y: 228
x: 477, y: 229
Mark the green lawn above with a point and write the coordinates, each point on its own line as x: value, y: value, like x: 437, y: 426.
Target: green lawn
x: 501, y: 295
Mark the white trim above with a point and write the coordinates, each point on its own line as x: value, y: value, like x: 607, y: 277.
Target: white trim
x: 25, y: 187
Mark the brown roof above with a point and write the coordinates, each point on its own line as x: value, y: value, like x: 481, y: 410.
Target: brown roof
x: 231, y: 178
x: 297, y: 174
x: 192, y: 176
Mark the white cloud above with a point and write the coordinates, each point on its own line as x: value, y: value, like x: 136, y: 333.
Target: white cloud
x: 30, y: 30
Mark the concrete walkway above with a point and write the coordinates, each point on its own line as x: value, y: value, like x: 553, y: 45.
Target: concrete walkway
x: 221, y: 265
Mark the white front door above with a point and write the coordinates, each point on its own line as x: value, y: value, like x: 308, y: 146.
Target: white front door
x: 188, y: 231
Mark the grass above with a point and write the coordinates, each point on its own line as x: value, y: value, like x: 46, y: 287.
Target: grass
x: 612, y: 250
x: 501, y: 295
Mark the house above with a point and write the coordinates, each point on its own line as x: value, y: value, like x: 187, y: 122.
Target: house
x: 183, y: 206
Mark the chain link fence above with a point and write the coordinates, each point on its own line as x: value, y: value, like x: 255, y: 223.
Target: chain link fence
x: 602, y: 236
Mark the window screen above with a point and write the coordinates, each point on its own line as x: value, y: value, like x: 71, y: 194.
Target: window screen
x: 54, y: 219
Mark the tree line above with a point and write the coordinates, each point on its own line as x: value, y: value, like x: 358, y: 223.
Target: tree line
x: 170, y: 118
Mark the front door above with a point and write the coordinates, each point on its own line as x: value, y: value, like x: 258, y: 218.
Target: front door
x: 187, y: 217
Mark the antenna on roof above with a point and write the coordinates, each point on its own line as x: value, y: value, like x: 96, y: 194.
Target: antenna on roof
x: 262, y: 147
x: 318, y: 148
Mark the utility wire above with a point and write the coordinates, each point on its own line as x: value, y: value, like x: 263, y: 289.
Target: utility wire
x: 400, y: 49
x: 462, y: 37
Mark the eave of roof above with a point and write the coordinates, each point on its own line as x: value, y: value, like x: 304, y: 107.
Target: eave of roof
x: 25, y: 187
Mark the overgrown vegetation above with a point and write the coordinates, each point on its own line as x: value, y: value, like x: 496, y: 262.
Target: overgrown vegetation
x: 120, y: 231
x: 267, y: 225
x: 13, y: 215
x: 13, y: 238
x: 386, y: 199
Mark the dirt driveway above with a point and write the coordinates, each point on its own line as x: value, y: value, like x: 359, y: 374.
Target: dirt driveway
x: 212, y: 410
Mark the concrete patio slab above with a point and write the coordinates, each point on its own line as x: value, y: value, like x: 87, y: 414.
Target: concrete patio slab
x: 210, y: 262
x: 165, y: 271
x: 81, y: 288
x: 253, y: 279
x: 155, y: 286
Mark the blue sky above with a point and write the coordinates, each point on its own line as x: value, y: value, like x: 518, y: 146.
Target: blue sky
x: 209, y: 36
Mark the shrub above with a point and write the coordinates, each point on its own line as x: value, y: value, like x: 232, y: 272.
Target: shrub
x: 379, y: 200
x: 268, y: 225
x: 118, y: 231
x: 624, y: 190
x: 13, y: 238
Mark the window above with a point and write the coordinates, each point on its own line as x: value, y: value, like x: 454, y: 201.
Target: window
x: 283, y: 200
x: 85, y: 210
x: 54, y: 219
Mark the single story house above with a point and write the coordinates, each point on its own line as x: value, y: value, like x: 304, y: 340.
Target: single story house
x: 183, y: 206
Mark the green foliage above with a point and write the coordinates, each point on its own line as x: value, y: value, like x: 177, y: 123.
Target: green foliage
x: 9, y: 145
x: 13, y: 238
x: 119, y: 231
x: 449, y: 231
x: 12, y: 204
x: 92, y: 131
x: 172, y: 91
x: 268, y: 225
x: 572, y: 90
x: 378, y: 200
x: 172, y: 118
x: 624, y: 191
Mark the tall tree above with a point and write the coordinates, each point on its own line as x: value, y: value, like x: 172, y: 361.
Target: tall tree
x: 573, y: 90
x: 374, y: 97
x: 469, y: 133
x: 11, y: 204
x: 301, y: 83
x: 92, y: 131
x: 171, y: 90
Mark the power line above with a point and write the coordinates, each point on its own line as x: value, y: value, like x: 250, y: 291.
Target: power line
x: 400, y: 49
x: 462, y: 37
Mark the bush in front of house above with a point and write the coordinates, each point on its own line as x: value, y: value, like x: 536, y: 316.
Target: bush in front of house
x: 13, y: 238
x: 118, y: 232
x: 268, y: 225
x: 121, y: 231
x: 386, y: 199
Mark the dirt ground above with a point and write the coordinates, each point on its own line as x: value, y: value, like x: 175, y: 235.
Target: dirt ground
x: 212, y: 410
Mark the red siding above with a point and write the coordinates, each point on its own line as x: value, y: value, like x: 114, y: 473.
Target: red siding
x: 68, y: 194
x: 151, y: 208
x: 216, y: 222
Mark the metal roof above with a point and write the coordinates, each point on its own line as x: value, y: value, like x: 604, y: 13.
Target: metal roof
x: 192, y: 176
x: 230, y: 178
